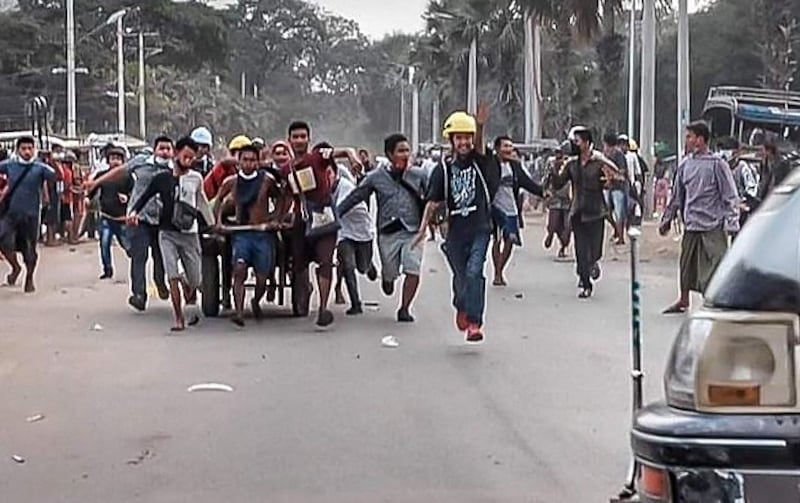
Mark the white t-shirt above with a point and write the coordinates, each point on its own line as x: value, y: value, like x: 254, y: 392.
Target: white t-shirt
x: 504, y: 199
x: 356, y: 224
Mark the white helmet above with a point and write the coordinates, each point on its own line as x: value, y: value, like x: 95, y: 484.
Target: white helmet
x: 202, y: 136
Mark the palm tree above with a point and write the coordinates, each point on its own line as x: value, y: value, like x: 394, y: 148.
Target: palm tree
x: 581, y: 16
x: 462, y: 23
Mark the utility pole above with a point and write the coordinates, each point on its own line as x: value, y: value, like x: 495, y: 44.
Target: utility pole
x: 632, y: 72
x: 402, y: 106
x: 648, y: 81
x: 435, y: 121
x: 71, y: 91
x: 414, y: 111
x: 120, y: 77
x: 683, y: 74
x: 537, y: 80
x: 472, y: 78
x: 141, y: 89
x: 528, y: 77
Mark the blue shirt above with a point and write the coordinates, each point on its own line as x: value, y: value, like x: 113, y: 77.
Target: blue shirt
x: 27, y: 200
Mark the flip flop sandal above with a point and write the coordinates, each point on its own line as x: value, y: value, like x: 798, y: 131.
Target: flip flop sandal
x: 676, y: 309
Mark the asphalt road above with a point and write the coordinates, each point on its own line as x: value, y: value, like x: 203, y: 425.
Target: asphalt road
x: 538, y: 414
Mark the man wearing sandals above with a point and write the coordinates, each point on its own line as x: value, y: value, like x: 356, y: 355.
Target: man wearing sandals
x: 20, y: 206
x: 254, y: 243
x: 184, y: 203
x: 705, y: 193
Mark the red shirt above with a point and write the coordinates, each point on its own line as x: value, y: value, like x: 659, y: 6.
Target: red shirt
x: 321, y: 168
x: 216, y: 176
x: 66, y: 196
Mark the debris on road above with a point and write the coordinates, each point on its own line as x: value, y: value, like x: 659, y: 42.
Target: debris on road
x: 519, y: 296
x: 390, y: 341
x: 35, y: 419
x: 432, y: 270
x: 145, y: 454
x: 210, y: 386
x: 97, y: 327
x: 18, y: 459
x: 358, y: 357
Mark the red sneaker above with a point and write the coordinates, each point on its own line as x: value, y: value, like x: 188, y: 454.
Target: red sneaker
x: 461, y: 321
x: 474, y: 334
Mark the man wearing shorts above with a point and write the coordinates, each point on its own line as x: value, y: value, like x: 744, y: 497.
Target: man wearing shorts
x: 309, y: 191
x: 184, y: 202
x: 619, y: 189
x: 20, y: 207
x: 400, y: 190
x: 250, y: 190
x: 506, y: 208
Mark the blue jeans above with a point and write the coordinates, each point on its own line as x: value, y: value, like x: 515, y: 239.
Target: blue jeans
x: 144, y: 238
x: 108, y: 230
x: 467, y: 257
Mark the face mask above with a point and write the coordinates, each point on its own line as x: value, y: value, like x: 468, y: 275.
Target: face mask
x: 161, y: 161
x: 574, y: 149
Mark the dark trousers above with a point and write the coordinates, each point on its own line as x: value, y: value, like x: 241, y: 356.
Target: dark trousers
x: 701, y: 254
x: 558, y: 224
x: 467, y: 257
x: 109, y: 229
x: 354, y: 257
x: 588, y: 247
x: 144, y: 239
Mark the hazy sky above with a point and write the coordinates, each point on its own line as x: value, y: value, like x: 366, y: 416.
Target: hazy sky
x: 376, y: 17
x: 379, y: 17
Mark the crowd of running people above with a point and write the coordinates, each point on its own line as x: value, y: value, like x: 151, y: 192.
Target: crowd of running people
x: 159, y: 204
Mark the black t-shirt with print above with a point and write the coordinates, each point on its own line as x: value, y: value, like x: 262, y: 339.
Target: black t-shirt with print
x: 467, y: 197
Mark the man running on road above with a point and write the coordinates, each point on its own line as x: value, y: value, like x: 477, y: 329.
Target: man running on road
x: 506, y: 207
x: 400, y: 190
x: 113, y: 204
x: 144, y: 237
x: 20, y: 210
x: 466, y: 185
x: 313, y: 237
x: 184, y: 202
x: 250, y: 191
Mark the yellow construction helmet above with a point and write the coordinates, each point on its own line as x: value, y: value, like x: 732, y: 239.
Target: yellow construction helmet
x: 459, y: 122
x: 239, y: 143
